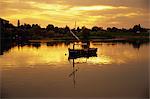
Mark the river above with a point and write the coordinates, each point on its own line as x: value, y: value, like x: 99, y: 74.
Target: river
x: 120, y: 70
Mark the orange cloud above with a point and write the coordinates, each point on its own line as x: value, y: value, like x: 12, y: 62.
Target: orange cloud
x: 65, y: 12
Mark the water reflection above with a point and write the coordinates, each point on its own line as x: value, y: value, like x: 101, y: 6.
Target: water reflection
x: 36, y: 53
x: 36, y: 45
x: 73, y: 73
x: 30, y: 67
x: 85, y: 52
x: 6, y: 45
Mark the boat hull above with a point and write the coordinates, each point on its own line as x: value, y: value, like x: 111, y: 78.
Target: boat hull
x: 78, y: 53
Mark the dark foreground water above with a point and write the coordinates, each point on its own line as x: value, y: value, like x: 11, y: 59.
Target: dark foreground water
x: 44, y: 71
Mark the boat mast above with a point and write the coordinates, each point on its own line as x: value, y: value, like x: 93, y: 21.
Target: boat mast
x: 75, y: 25
x: 74, y: 34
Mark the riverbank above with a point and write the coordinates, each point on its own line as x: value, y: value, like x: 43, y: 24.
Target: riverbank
x: 98, y: 39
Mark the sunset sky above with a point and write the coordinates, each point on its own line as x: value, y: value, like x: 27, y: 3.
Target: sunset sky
x: 102, y: 13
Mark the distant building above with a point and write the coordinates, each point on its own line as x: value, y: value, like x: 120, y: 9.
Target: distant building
x: 18, y: 24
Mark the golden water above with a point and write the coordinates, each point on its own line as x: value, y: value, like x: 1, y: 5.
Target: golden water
x: 119, y: 70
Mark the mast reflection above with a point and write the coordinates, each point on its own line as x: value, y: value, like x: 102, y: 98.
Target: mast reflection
x: 76, y: 54
x: 73, y: 73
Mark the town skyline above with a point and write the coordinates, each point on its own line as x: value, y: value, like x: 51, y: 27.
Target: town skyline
x: 19, y: 24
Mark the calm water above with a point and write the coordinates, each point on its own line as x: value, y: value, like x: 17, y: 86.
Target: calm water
x: 118, y: 71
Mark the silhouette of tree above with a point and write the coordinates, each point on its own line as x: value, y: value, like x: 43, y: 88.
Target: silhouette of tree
x: 123, y: 30
x: 56, y: 29
x: 35, y: 26
x: 50, y: 27
x: 137, y: 28
x: 83, y: 27
x: 61, y: 30
x: 96, y: 29
x: 109, y: 29
x: 113, y: 29
x: 78, y: 29
x: 67, y: 29
x: 34, y: 31
x: 27, y: 26
x: 85, y: 33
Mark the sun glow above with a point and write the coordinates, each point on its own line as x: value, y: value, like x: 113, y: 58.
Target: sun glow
x: 87, y: 8
x: 62, y: 13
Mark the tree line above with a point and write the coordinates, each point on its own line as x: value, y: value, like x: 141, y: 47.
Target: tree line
x: 35, y: 31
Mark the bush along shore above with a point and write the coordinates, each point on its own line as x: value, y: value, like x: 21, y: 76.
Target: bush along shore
x: 27, y: 32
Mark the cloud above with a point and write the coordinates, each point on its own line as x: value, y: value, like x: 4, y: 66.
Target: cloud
x: 128, y: 3
x: 96, y: 8
x: 86, y: 13
x: 12, y: 8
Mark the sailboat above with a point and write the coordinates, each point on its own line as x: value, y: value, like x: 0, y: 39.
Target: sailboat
x: 84, y: 52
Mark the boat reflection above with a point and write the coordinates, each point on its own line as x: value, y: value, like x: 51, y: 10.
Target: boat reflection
x: 77, y: 54
x: 73, y: 73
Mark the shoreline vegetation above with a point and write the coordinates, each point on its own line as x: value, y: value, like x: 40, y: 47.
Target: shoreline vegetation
x: 20, y: 35
x: 27, y: 32
x: 34, y: 33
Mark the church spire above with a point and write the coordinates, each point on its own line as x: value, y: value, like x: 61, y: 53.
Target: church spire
x: 18, y: 24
